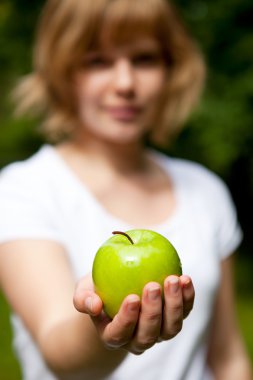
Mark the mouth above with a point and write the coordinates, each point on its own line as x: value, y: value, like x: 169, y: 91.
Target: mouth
x: 124, y: 113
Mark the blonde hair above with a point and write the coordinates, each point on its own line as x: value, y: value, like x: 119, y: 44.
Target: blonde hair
x: 69, y: 28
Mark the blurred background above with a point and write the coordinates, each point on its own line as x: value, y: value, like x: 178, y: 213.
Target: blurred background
x: 218, y: 135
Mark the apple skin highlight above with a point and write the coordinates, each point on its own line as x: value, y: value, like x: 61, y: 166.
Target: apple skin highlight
x: 123, y: 266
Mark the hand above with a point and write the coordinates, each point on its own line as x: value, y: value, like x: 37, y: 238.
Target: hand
x: 140, y: 323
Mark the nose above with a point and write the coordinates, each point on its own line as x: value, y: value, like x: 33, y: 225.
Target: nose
x: 124, y: 77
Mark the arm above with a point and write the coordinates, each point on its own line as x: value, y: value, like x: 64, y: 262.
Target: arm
x: 37, y: 280
x: 227, y: 355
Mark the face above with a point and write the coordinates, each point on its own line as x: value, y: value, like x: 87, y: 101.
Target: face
x: 118, y: 90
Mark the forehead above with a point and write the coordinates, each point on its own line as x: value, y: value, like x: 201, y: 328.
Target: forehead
x: 123, y: 22
x: 141, y: 44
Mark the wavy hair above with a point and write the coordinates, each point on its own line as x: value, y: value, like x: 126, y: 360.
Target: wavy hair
x: 68, y: 29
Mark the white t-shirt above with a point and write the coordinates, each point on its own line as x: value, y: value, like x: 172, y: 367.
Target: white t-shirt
x: 41, y: 198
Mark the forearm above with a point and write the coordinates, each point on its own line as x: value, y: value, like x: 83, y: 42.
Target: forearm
x: 73, y: 349
x: 231, y: 364
x: 227, y: 354
x: 233, y: 370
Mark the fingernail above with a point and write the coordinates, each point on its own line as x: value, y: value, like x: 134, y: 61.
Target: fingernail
x: 133, y: 304
x: 153, y: 294
x: 89, y: 303
x: 187, y: 283
x: 174, y: 285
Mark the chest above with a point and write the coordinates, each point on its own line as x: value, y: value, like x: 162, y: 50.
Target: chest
x: 141, y: 204
x: 88, y: 223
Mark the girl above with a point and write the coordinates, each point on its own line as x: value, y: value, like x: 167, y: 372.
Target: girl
x: 112, y: 77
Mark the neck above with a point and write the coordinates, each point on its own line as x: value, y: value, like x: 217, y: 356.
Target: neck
x: 121, y: 158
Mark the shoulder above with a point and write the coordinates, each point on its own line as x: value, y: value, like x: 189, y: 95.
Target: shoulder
x: 30, y: 169
x: 28, y: 179
x: 35, y: 175
x: 196, y: 175
x: 209, y: 199
x: 192, y: 175
x: 28, y: 199
x: 202, y: 187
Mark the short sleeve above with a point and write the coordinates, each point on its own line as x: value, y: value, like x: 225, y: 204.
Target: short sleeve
x: 228, y: 230
x: 26, y: 210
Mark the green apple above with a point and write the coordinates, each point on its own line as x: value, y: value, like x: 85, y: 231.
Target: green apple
x: 129, y: 260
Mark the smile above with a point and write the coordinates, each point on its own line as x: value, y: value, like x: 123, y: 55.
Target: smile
x: 123, y: 113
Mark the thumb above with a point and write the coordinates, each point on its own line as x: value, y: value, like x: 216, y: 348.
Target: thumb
x: 85, y: 299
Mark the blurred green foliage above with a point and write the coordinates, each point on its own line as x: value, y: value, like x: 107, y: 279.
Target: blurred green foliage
x: 9, y: 367
x: 221, y: 131
x: 219, y: 134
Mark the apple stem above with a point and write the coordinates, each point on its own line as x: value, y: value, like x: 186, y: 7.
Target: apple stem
x: 124, y: 234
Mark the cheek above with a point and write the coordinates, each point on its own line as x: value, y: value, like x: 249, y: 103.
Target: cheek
x: 82, y: 93
x: 155, y: 96
x: 86, y: 102
x: 154, y: 86
x: 160, y: 83
x: 88, y: 88
x: 82, y: 102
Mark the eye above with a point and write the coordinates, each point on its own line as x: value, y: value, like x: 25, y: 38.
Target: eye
x: 96, y: 61
x: 147, y: 59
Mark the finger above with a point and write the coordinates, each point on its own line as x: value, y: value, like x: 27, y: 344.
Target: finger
x: 150, y: 319
x: 120, y: 330
x: 88, y: 302
x: 173, y: 308
x: 188, y: 294
x: 85, y: 299
x: 85, y: 283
